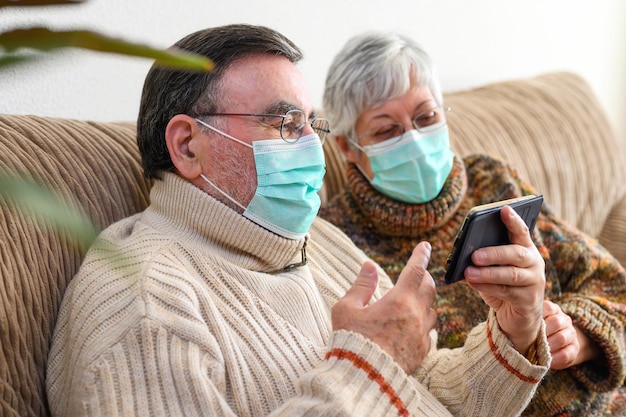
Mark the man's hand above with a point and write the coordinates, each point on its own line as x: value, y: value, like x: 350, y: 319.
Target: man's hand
x: 511, y: 279
x: 569, y: 345
x: 400, y: 322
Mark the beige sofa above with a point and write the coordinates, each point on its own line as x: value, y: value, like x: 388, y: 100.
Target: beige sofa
x: 551, y: 127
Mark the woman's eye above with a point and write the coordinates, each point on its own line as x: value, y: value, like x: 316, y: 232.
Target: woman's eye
x: 428, y: 118
x: 388, y: 131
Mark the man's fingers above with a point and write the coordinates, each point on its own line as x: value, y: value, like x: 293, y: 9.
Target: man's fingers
x: 364, y: 286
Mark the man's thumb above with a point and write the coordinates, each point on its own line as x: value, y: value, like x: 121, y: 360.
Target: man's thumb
x: 364, y: 285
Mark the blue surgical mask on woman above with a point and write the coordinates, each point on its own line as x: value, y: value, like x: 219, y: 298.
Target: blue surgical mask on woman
x: 289, y: 176
x: 412, y: 168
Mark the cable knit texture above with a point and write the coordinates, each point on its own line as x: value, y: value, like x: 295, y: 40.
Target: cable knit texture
x: 185, y: 309
x: 582, y: 277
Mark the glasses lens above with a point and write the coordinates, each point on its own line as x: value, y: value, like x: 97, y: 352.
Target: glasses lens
x: 430, y: 117
x: 321, y: 127
x: 292, y: 126
x: 385, y: 132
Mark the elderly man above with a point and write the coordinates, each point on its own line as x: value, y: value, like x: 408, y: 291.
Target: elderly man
x: 227, y: 296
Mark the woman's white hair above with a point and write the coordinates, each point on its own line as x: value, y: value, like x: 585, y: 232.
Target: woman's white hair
x: 371, y: 69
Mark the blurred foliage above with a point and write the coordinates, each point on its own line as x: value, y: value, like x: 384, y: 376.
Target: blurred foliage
x: 19, y: 3
x: 43, y: 39
x: 24, y: 44
x: 47, y: 208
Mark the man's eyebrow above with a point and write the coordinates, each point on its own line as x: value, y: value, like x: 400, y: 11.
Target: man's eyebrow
x: 280, y: 107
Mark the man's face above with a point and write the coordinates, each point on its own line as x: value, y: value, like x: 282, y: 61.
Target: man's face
x: 256, y: 84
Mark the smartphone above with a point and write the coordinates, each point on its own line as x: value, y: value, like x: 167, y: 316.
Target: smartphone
x: 483, y: 227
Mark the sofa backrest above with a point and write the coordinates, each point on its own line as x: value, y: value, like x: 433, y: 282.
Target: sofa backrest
x: 550, y: 127
x: 94, y: 166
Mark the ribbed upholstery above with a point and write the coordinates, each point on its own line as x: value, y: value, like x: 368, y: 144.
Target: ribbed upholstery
x: 553, y: 130
x: 551, y: 127
x: 92, y: 165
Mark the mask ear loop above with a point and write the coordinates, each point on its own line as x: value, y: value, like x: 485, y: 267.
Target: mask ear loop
x: 358, y: 167
x: 216, y: 130
x: 353, y: 139
x: 355, y: 143
x: 208, y: 181
x: 212, y: 184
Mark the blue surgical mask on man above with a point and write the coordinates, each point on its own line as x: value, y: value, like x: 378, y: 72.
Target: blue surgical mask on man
x: 289, y: 177
x: 414, y: 168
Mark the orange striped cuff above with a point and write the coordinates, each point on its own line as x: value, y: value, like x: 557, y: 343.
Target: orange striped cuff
x: 503, y: 361
x: 373, y: 375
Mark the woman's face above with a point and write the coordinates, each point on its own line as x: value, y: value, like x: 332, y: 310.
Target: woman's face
x: 391, y: 119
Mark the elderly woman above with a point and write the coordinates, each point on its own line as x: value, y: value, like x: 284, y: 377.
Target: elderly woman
x: 405, y: 185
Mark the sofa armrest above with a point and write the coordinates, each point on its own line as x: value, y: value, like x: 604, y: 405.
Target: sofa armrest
x: 94, y: 166
x: 614, y: 230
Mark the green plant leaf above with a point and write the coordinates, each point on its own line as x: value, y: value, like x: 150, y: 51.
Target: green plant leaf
x: 44, y: 39
x: 14, y: 59
x: 21, y: 3
x: 48, y: 209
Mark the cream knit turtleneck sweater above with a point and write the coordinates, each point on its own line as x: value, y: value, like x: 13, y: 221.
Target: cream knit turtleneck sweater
x: 185, y: 309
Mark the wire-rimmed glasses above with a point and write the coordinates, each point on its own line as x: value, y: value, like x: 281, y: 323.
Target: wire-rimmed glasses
x: 390, y: 133
x: 292, y: 124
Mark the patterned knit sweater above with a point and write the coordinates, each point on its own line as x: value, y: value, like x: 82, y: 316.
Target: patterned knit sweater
x: 582, y: 277
x: 186, y: 310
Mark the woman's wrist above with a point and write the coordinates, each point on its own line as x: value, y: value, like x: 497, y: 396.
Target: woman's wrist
x: 531, y: 353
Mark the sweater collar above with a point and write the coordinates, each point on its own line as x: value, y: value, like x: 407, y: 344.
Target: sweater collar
x: 395, y: 218
x: 188, y: 213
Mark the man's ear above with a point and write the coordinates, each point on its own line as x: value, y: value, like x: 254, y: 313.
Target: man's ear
x: 348, y: 151
x: 179, y: 134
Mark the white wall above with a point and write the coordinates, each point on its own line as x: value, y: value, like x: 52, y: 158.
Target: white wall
x: 473, y: 42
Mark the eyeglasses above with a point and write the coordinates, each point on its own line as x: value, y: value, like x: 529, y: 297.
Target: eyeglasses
x: 291, y: 126
x: 425, y: 121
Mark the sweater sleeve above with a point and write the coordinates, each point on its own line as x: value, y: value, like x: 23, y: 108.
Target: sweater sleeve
x: 589, y: 285
x: 153, y: 372
x: 487, y: 376
x: 358, y: 378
